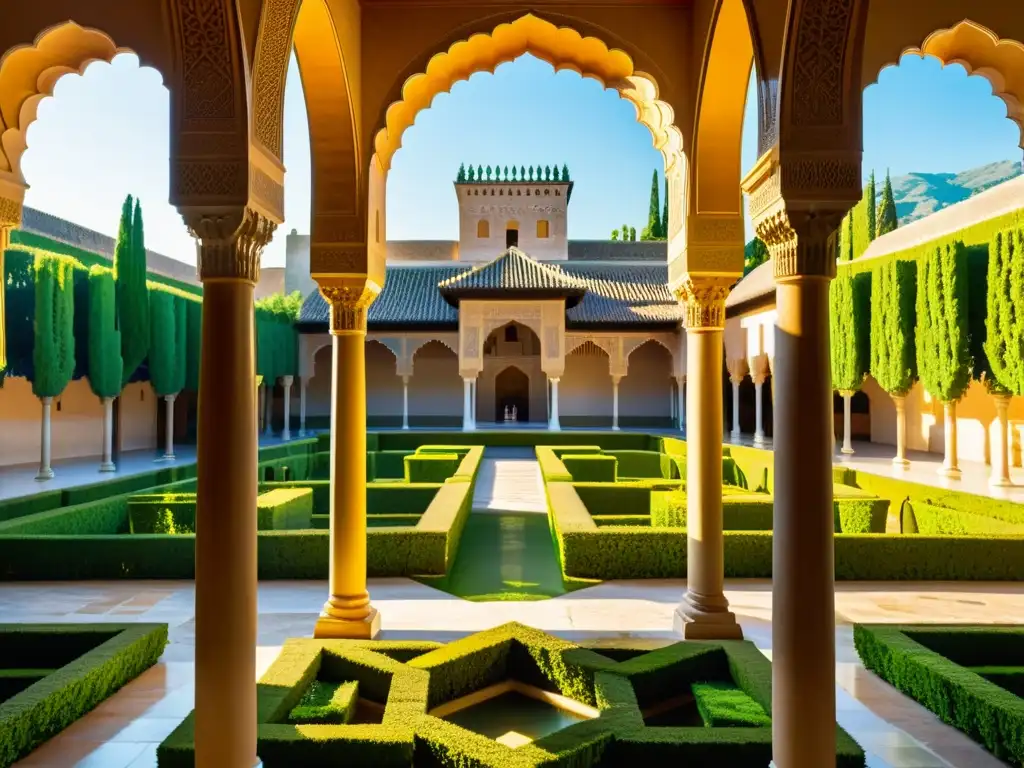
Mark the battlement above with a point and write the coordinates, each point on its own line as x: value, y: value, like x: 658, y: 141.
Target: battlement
x: 485, y: 174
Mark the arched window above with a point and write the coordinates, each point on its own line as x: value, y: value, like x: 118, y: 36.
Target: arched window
x: 543, y: 229
x: 511, y: 333
x: 483, y: 228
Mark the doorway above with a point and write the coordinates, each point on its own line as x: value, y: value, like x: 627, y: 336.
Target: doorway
x: 511, y: 238
x: 512, y: 391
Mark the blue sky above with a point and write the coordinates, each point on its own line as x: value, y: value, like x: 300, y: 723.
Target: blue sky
x: 105, y: 135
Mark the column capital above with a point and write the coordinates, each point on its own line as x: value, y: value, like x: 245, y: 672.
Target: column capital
x: 704, y: 299
x: 231, y: 241
x: 801, y: 243
x: 737, y: 368
x: 287, y: 381
x: 759, y: 368
x: 349, y: 298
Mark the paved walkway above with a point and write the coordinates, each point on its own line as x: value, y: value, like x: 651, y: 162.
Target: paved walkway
x: 124, y: 731
x: 509, y: 480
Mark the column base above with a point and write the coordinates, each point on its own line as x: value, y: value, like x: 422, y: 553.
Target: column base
x: 615, y: 427
x: 846, y: 451
x: 694, y: 624
x: 953, y: 473
x: 302, y: 433
x: 107, y: 466
x: 45, y: 474
x: 168, y: 457
x: 286, y: 436
x: 1000, y: 482
x: 332, y: 628
x: 759, y: 439
x: 900, y: 463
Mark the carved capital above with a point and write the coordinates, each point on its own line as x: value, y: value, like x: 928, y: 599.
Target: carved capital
x: 349, y: 299
x: 737, y: 368
x: 231, y: 242
x: 801, y: 243
x: 759, y: 368
x: 704, y: 299
x: 10, y: 213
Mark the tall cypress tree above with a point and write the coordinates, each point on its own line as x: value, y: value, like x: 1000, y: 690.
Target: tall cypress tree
x: 132, y: 293
x: 1004, y: 322
x: 887, y: 220
x: 943, y: 354
x: 870, y: 197
x: 105, y: 366
x: 664, y: 213
x: 163, y: 348
x: 893, y: 326
x: 54, y: 352
x: 653, y: 229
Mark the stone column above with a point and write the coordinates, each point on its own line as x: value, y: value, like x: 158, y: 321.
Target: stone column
x: 230, y: 244
x: 681, y: 402
x: 615, y: 402
x: 900, y: 459
x: 107, y: 462
x: 11, y: 197
x: 1001, y: 456
x: 405, y: 402
x: 45, y: 470
x: 951, y: 461
x: 348, y: 612
x: 169, y: 432
x: 303, y: 383
x: 704, y: 612
x: 847, y: 418
x: 738, y: 369
x: 467, y: 404
x: 472, y: 405
x: 553, y: 423
x: 758, y: 374
x: 803, y: 568
x: 286, y: 382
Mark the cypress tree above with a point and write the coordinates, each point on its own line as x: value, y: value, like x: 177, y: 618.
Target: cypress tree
x: 565, y: 172
x: 193, y: 343
x: 515, y: 172
x: 664, y: 213
x: 870, y: 197
x: 505, y: 175
x: 893, y: 326
x: 132, y: 294
x: 632, y: 234
x: 555, y: 174
x: 625, y: 232
x: 522, y: 172
x: 462, y: 173
x: 162, y: 345
x: 54, y: 352
x: 887, y: 220
x: 547, y: 173
x: 943, y: 356
x: 479, y: 173
x: 653, y: 229
x: 615, y: 234
x: 1004, y: 322
x: 848, y: 329
x: 488, y: 173
x: 105, y: 367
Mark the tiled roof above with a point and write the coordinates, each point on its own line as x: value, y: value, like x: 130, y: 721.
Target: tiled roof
x: 618, y: 250
x: 757, y: 283
x: 513, y: 272
x: 616, y: 294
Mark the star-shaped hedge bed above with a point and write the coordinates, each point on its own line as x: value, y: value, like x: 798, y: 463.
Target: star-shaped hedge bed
x: 393, y: 704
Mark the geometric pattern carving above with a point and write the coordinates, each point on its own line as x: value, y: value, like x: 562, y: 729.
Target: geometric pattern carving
x: 768, y: 119
x: 826, y: 173
x: 230, y: 242
x: 821, y: 47
x: 210, y: 178
x: 267, y: 190
x: 337, y: 260
x: 10, y: 214
x: 801, y: 243
x: 704, y: 299
x: 207, y: 66
x: 708, y: 229
x: 270, y: 71
x: 349, y: 305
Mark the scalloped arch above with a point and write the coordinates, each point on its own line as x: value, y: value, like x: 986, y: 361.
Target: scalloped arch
x: 578, y: 344
x: 981, y: 52
x: 426, y: 342
x: 563, y: 48
x: 651, y: 340
x: 28, y: 75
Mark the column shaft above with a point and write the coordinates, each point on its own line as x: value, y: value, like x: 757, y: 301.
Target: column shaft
x: 472, y: 404
x: 45, y: 470
x: 951, y: 461
x: 900, y: 460
x: 303, y: 383
x: 405, y: 402
x: 348, y: 612
x: 553, y: 422
x: 704, y: 610
x: 615, y: 402
x: 681, y: 404
x: 107, y: 462
x: 847, y: 421
x: 803, y: 571
x: 169, y: 434
x: 268, y: 407
x: 735, y: 409
x: 1001, y: 456
x: 286, y: 433
x: 759, y: 412
x: 225, y: 638
x: 467, y: 404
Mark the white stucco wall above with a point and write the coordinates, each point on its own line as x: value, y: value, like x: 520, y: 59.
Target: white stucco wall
x: 383, y: 385
x: 646, y: 390
x: 435, y: 389
x: 585, y: 389
x: 77, y: 427
x: 486, y: 409
x: 524, y: 203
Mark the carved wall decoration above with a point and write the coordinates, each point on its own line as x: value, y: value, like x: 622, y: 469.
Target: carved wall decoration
x: 704, y: 300
x: 230, y: 242
x: 828, y: 173
x: 552, y: 348
x: 471, y: 343
x: 819, y: 61
x: 270, y: 72
x: 708, y: 229
x: 765, y: 195
x: 206, y: 39
x: 801, y: 243
x: 208, y: 178
x: 267, y: 191
x: 337, y: 260
x: 768, y: 118
x: 338, y: 228
x: 10, y: 214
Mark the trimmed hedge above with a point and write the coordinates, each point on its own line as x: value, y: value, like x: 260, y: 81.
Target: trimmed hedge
x: 89, y: 663
x: 931, y: 519
x: 412, y: 439
x: 647, y: 464
x: 591, y: 467
x: 986, y: 712
x: 410, y: 679
x: 284, y: 509
x: 430, y: 467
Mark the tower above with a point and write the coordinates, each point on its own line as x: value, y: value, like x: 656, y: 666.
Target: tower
x: 498, y: 211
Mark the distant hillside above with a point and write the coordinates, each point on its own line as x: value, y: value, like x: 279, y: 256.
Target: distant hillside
x: 919, y: 194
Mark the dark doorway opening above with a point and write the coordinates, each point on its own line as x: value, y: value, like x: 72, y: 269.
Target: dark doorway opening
x: 511, y: 238
x: 512, y: 391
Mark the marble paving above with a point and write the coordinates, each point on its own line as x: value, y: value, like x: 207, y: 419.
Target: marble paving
x: 124, y: 731
x: 509, y: 480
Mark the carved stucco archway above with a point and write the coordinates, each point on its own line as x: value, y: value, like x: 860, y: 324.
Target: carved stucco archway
x: 981, y: 52
x: 562, y: 47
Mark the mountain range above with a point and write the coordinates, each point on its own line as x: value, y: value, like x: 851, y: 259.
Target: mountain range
x: 919, y: 194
